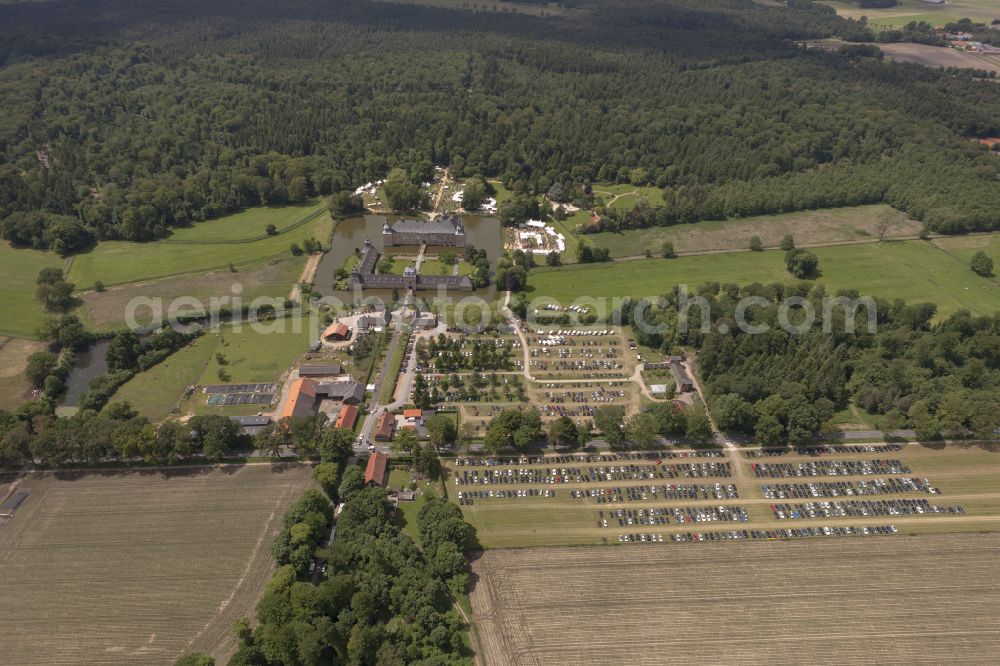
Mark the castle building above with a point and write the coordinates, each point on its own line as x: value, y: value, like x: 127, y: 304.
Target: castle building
x: 446, y: 230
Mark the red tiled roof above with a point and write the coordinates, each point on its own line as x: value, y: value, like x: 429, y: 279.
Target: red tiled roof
x: 378, y: 465
x: 301, y: 397
x: 335, y: 329
x: 348, y: 417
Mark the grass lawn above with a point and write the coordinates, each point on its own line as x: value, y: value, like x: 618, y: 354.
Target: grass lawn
x: 395, y: 363
x: 398, y: 266
x: 567, y: 229
x: 252, y: 357
x: 963, y: 247
x: 912, y: 270
x: 503, y: 195
x: 18, y: 270
x: 119, y: 262
x: 407, y: 513
x: 155, y: 392
x: 832, y: 225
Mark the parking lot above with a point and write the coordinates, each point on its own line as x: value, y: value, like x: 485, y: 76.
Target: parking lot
x: 854, y: 508
x: 887, y: 486
x: 663, y: 490
x: 828, y: 468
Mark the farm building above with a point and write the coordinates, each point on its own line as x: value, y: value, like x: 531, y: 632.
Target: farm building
x: 347, y: 417
x: 251, y: 425
x: 350, y: 393
x: 681, y: 378
x: 301, y: 399
x: 446, y: 230
x: 425, y: 322
x: 375, y: 321
x: 377, y: 470
x: 320, y: 370
x: 384, y: 427
x: 337, y: 331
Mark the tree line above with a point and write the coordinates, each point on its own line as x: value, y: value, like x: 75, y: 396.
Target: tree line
x: 206, y: 113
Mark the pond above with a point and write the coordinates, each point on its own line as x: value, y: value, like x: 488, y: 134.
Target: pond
x: 349, y: 236
x: 88, y: 364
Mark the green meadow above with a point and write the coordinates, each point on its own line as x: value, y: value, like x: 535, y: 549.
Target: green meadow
x: 203, y: 247
x: 914, y: 271
x: 22, y: 314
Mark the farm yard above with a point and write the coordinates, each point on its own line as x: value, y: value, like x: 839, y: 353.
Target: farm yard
x: 621, y: 498
x: 934, y: 599
x: 915, y: 271
x: 138, y: 567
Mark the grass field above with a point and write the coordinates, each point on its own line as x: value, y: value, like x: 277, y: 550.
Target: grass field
x: 918, y: 10
x: 250, y: 356
x: 392, y: 374
x: 814, y: 227
x: 22, y: 314
x: 912, y: 270
x: 139, y: 567
x: 964, y: 247
x: 930, y: 599
x: 14, y: 354
x: 116, y: 262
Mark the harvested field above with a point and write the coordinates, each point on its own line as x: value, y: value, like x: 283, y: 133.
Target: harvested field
x: 812, y: 227
x: 928, y: 599
x: 106, y: 310
x: 138, y: 567
x: 940, y: 56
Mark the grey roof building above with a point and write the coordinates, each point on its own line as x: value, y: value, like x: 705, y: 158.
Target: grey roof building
x: 350, y: 393
x: 251, y: 425
x: 444, y: 230
x: 320, y: 370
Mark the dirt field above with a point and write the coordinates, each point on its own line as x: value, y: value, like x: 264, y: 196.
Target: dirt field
x: 937, y: 56
x: 825, y: 602
x: 138, y: 568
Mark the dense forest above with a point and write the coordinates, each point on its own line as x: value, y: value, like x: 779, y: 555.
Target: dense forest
x: 940, y: 379
x: 123, y: 119
x: 383, y: 598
